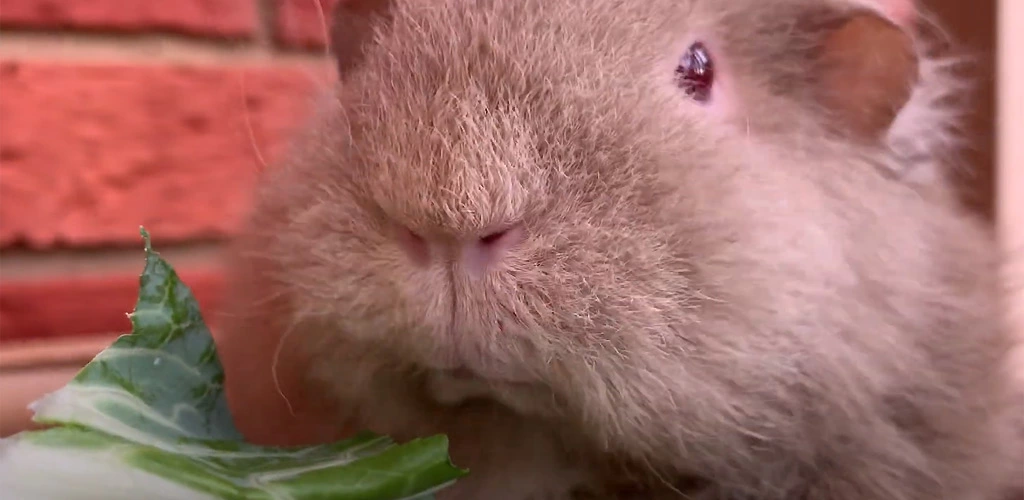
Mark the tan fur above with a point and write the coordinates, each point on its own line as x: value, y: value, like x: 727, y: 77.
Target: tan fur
x: 721, y: 301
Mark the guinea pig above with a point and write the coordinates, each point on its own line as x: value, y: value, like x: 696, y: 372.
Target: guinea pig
x: 632, y: 249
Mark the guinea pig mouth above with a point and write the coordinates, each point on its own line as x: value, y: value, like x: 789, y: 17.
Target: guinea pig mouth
x: 466, y: 374
x: 465, y: 361
x: 454, y: 387
x: 460, y: 373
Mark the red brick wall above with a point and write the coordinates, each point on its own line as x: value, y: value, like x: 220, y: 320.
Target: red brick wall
x: 121, y: 113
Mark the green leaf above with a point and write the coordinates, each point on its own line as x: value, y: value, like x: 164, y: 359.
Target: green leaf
x: 147, y: 418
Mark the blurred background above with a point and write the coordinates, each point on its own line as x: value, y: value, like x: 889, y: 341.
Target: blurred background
x: 116, y: 113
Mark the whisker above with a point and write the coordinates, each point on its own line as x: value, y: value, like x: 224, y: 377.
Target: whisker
x: 275, y: 361
x: 262, y: 163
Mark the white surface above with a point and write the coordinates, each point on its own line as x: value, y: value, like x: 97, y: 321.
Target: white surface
x: 30, y: 472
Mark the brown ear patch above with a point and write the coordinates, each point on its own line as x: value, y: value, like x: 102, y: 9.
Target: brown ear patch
x: 867, y: 71
x: 352, y: 29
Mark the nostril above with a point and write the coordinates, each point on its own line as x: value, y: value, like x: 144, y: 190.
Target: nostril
x: 487, y: 250
x: 493, y: 238
x: 414, y: 246
x: 503, y: 238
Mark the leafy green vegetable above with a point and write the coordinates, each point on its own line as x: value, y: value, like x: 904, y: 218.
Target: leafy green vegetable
x: 147, y: 418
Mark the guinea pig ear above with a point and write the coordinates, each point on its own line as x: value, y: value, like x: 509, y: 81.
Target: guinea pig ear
x: 353, y: 27
x: 867, y: 69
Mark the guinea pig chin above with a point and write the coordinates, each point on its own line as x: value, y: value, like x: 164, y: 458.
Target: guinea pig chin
x: 458, y: 326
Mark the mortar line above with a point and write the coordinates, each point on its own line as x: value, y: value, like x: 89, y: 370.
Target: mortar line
x: 145, y: 48
x: 267, y: 20
x: 24, y: 264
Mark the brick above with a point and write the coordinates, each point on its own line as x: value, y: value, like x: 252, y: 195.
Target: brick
x: 89, y: 153
x: 221, y: 18
x: 60, y: 308
x: 301, y: 23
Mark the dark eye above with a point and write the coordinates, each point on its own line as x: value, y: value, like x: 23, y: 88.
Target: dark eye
x: 696, y: 72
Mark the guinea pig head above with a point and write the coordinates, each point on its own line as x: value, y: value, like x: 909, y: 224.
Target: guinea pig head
x: 582, y: 199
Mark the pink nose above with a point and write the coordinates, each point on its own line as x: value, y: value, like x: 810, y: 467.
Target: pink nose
x: 475, y: 255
